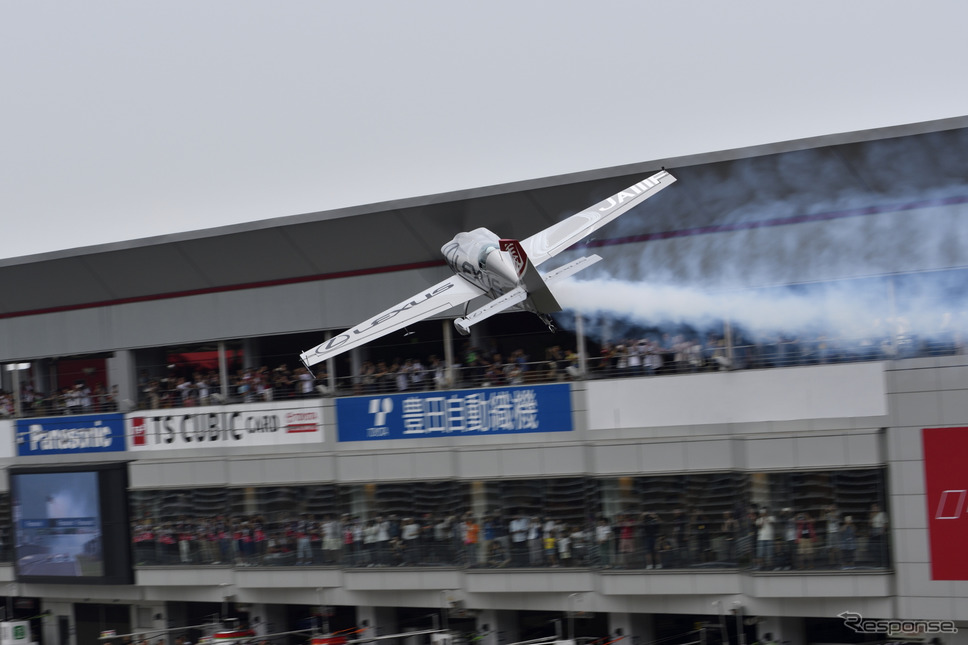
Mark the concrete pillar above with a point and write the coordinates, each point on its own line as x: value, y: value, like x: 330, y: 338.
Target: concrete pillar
x: 413, y: 640
x: 782, y: 628
x: 581, y: 349
x: 173, y: 613
x: 11, y: 381
x: 449, y: 353
x: 41, y: 374
x: 477, y: 332
x: 257, y: 619
x: 331, y: 369
x: 631, y: 629
x: 380, y: 621
x: 252, y: 357
x: 486, y: 626
x: 223, y: 372
x: 148, y: 618
x: 356, y: 362
x: 123, y: 374
x: 58, y: 612
x: 272, y: 618
x: 479, y: 501
x: 497, y: 627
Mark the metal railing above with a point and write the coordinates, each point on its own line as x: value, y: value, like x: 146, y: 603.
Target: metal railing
x: 693, y: 552
x: 615, y: 361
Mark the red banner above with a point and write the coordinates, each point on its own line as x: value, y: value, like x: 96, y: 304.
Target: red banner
x: 946, y: 488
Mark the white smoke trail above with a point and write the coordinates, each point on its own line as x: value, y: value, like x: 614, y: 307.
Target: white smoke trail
x: 823, y: 221
x: 839, y: 310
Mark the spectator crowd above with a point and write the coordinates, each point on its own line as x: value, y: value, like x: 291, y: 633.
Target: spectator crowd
x: 756, y: 538
x: 650, y: 355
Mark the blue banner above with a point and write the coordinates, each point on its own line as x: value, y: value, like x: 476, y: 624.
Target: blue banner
x: 70, y: 435
x: 457, y: 413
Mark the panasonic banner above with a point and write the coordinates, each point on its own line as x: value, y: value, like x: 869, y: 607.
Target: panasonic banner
x: 460, y: 413
x: 70, y: 435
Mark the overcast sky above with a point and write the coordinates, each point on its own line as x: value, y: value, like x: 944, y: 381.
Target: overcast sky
x: 124, y: 119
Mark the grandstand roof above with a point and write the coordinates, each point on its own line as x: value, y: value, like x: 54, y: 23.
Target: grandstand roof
x: 370, y: 238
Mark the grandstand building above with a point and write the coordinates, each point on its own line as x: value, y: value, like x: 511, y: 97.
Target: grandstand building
x: 751, y: 428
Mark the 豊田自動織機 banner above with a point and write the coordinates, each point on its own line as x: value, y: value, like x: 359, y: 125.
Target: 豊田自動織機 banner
x: 459, y: 413
x: 227, y: 426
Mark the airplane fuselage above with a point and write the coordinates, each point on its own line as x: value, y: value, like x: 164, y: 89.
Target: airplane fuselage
x: 476, y: 257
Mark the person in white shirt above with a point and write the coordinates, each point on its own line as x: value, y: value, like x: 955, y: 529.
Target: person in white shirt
x: 409, y: 532
x: 519, y: 536
x: 370, y: 532
x: 878, y: 536
x: 764, y: 539
x: 603, y: 542
x: 305, y: 381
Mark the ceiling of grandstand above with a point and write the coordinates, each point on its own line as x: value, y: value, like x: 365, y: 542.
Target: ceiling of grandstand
x: 713, y: 190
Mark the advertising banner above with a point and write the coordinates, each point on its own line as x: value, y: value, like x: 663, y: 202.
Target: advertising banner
x: 70, y: 435
x: 946, y: 488
x: 461, y: 413
x: 268, y: 424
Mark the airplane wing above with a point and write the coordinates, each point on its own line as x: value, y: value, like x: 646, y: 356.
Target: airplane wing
x: 496, y: 306
x: 437, y: 299
x: 558, y: 237
x: 571, y: 268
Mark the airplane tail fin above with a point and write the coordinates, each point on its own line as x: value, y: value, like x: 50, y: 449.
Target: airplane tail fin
x: 518, y: 257
x: 537, y: 287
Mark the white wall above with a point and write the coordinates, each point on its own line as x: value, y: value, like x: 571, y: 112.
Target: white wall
x: 925, y: 393
x: 816, y: 392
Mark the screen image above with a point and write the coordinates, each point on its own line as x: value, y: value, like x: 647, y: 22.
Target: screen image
x: 58, y: 525
x: 66, y: 523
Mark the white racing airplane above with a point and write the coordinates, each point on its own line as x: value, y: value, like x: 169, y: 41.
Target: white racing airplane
x: 501, y: 269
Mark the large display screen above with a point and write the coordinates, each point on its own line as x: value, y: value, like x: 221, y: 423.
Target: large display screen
x: 70, y: 524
